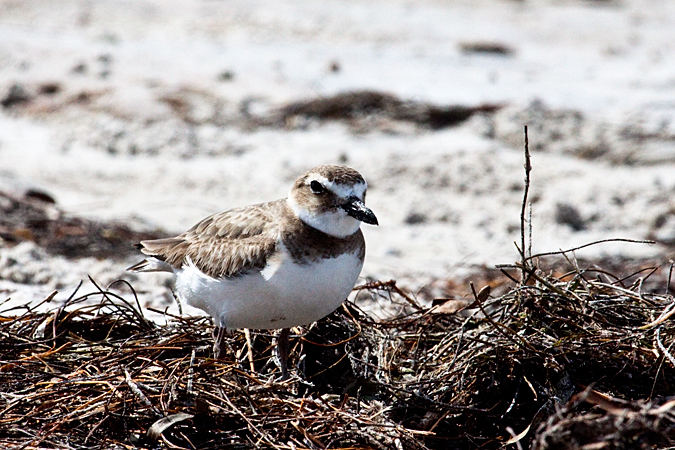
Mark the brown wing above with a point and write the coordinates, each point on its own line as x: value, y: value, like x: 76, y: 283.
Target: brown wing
x: 225, y: 244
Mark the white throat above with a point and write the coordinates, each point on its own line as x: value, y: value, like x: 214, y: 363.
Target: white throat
x: 335, y: 223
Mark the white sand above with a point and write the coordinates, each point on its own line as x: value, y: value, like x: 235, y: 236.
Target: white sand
x: 595, y: 81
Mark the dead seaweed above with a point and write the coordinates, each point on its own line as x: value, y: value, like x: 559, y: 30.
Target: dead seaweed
x: 99, y: 375
x: 352, y: 106
x: 34, y: 217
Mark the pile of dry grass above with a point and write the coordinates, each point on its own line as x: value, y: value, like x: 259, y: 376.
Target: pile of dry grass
x: 576, y: 361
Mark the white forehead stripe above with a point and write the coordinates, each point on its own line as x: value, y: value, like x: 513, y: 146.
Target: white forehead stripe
x: 339, y: 189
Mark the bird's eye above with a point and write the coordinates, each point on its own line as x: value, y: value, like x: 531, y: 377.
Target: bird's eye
x: 316, y: 187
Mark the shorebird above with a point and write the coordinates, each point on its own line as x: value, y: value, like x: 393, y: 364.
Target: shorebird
x: 280, y: 264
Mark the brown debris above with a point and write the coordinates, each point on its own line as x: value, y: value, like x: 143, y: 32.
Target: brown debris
x: 533, y: 367
x: 34, y: 217
x: 359, y: 104
x: 486, y: 47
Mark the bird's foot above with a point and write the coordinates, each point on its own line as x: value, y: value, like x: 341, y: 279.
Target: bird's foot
x: 220, y: 343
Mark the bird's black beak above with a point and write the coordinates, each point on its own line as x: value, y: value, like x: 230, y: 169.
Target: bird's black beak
x: 358, y: 210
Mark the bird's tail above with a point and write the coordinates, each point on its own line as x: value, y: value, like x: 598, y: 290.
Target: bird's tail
x: 151, y: 265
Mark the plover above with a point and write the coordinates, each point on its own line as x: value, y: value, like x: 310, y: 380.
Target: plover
x: 273, y: 265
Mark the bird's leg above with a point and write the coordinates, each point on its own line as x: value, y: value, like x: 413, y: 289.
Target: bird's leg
x: 219, y: 343
x: 283, y: 345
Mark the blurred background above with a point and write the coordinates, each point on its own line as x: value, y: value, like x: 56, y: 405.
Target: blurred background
x: 124, y: 119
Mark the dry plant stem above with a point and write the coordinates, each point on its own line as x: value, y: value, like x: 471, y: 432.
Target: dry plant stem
x: 620, y: 281
x: 105, y: 296
x: 389, y: 286
x: 529, y: 229
x: 249, y: 351
x: 562, y: 252
x: 191, y: 372
x: 133, y: 292
x: 665, y: 315
x: 71, y: 390
x: 528, y: 169
x: 139, y: 394
x: 666, y: 353
x: 531, y: 272
x: 498, y: 326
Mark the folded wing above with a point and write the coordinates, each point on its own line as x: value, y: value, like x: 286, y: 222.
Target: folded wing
x: 226, y: 244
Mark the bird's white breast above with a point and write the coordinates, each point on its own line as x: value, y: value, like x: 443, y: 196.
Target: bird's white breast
x: 285, y: 294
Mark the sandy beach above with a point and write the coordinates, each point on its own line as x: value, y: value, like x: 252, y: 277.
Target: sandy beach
x: 154, y: 114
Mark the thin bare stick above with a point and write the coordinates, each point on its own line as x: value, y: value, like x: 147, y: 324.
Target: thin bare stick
x: 249, y: 351
x: 139, y: 394
x: 664, y: 351
x: 529, y: 228
x: 561, y: 252
x: 191, y: 372
x: 528, y: 169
